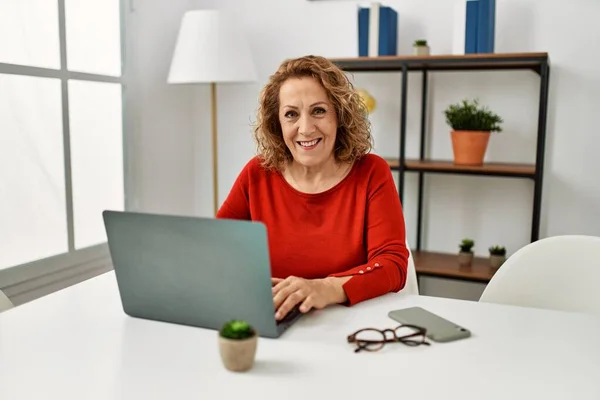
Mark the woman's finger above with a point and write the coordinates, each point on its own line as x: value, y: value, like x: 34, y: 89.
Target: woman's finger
x: 281, y: 293
x: 307, y: 304
x: 275, y: 281
x: 290, y: 280
x: 289, y: 303
x: 279, y: 285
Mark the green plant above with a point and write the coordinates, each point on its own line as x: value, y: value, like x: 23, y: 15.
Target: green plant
x: 470, y: 116
x: 237, y: 329
x: 466, y: 245
x: 420, y: 42
x: 497, y: 251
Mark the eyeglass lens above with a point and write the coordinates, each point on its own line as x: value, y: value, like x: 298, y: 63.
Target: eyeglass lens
x: 370, y: 339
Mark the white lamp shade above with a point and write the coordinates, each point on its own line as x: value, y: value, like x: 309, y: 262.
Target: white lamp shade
x: 210, y: 48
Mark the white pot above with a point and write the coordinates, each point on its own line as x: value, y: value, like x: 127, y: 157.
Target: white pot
x: 421, y: 50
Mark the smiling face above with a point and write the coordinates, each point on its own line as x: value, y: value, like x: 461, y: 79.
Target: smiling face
x: 308, y: 121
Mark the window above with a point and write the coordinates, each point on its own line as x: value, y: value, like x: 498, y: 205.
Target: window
x: 61, y: 136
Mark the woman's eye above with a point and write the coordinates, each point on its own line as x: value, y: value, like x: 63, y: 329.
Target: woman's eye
x: 319, y: 110
x: 290, y: 114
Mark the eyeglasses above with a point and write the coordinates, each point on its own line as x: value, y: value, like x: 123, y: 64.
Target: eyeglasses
x: 371, y: 339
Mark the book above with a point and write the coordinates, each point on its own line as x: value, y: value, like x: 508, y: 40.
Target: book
x: 472, y: 27
x: 486, y: 26
x: 475, y: 25
x: 377, y: 31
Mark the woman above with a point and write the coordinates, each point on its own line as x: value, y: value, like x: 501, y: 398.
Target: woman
x: 333, y: 216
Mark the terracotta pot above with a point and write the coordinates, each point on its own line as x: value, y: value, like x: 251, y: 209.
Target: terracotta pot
x: 496, y: 261
x: 469, y: 147
x: 238, y: 354
x: 465, y: 259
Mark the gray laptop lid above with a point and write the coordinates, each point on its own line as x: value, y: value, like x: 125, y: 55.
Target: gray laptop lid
x: 192, y: 271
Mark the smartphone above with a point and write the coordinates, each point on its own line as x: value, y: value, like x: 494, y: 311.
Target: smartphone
x: 438, y: 329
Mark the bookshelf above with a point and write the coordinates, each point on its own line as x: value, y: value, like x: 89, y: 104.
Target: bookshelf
x: 439, y: 264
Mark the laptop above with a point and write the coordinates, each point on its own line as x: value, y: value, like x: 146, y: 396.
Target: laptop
x: 194, y: 271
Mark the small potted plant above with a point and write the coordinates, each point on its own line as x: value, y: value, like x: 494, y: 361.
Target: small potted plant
x: 465, y: 255
x: 471, y: 126
x: 237, y: 345
x: 420, y: 47
x: 497, y: 256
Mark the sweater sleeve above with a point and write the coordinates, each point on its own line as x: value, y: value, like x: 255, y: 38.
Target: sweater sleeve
x: 237, y: 203
x: 386, y: 267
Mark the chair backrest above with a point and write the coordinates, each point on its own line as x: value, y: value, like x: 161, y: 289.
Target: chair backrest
x: 412, y: 284
x: 559, y: 273
x: 5, y: 303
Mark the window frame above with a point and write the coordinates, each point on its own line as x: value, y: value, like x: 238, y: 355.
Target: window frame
x: 27, y: 281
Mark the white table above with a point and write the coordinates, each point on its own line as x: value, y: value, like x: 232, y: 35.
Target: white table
x: 78, y: 344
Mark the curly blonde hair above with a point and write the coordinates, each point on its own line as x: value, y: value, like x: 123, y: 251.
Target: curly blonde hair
x: 353, y: 137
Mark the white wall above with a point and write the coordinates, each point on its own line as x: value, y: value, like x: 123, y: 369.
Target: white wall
x: 166, y: 122
x: 172, y: 148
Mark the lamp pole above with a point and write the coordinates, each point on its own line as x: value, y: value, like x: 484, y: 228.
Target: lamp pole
x: 215, y: 146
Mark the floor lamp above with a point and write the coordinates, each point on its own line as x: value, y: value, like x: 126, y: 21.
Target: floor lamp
x: 211, y: 49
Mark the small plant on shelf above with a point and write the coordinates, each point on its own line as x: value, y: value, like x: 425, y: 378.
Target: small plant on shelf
x: 237, y: 345
x: 465, y: 255
x: 497, y: 256
x: 471, y: 125
x: 420, y: 47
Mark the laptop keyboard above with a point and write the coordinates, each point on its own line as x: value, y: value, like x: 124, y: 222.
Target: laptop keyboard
x: 293, y: 313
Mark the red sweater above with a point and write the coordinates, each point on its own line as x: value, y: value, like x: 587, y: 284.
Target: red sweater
x: 355, y: 228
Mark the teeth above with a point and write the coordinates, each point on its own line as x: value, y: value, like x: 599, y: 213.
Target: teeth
x: 308, y: 144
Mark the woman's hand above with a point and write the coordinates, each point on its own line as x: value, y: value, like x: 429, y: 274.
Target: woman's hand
x: 309, y: 293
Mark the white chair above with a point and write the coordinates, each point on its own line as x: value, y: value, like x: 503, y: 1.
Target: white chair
x: 412, y: 283
x: 5, y: 303
x: 559, y: 273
